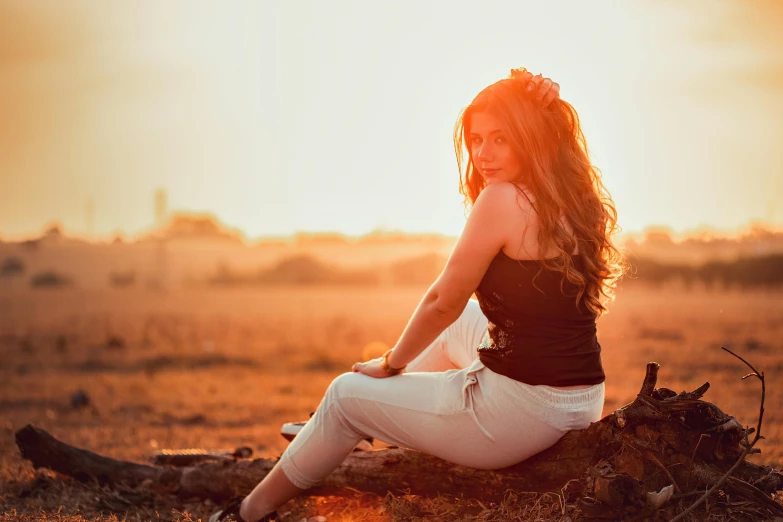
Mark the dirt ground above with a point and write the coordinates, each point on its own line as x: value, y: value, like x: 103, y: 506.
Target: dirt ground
x: 221, y: 368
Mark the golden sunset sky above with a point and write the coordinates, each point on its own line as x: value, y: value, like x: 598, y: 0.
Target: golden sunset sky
x: 284, y: 116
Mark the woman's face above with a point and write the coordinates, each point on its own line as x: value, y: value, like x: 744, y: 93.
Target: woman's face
x: 491, y: 151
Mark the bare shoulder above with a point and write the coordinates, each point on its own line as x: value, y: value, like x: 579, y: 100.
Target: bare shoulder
x: 500, y: 189
x: 509, y: 199
x: 500, y: 193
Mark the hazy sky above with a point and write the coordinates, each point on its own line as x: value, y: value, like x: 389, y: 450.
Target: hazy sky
x: 280, y: 116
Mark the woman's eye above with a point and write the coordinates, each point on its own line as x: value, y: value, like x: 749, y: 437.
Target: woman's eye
x: 475, y: 140
x: 500, y: 140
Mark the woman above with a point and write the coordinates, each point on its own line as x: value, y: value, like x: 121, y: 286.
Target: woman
x: 486, y: 384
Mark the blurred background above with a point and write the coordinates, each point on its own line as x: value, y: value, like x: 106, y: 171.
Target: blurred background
x: 209, y: 210
x: 272, y: 126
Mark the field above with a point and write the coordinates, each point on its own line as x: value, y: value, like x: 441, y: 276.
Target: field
x: 220, y: 368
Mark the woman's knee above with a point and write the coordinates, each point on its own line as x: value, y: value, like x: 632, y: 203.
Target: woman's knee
x: 345, y: 385
x: 338, y: 404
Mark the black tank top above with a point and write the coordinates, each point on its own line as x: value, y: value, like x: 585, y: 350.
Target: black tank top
x: 534, y: 337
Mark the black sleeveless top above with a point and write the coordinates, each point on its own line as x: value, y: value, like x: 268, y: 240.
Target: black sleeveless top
x: 535, y: 337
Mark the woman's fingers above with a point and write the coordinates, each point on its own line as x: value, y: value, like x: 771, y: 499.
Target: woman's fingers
x: 545, y: 89
x: 551, y: 95
x: 362, y: 367
x: 373, y: 368
x: 535, y: 82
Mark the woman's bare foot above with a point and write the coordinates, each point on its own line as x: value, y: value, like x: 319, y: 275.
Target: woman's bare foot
x: 272, y: 492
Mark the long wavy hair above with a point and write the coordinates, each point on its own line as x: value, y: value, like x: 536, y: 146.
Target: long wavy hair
x: 558, y: 173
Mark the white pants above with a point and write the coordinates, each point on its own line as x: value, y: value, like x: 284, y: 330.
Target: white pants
x: 446, y: 404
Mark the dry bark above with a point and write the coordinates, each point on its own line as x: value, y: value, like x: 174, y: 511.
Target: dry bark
x: 660, y: 439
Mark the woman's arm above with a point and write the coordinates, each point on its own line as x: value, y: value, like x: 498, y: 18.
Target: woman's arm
x: 485, y: 234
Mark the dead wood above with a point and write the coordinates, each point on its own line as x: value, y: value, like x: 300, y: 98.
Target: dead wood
x: 661, y: 439
x: 749, y: 446
x: 378, y: 471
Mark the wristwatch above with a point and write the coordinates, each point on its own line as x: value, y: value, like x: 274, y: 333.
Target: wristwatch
x: 385, y: 365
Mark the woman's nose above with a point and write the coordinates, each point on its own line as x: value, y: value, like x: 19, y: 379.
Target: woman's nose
x: 485, y: 152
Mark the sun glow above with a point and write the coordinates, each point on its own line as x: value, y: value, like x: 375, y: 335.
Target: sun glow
x: 286, y: 117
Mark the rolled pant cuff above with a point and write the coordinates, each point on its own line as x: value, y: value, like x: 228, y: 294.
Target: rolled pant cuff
x: 293, y: 474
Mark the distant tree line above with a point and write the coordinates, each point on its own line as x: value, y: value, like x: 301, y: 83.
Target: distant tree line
x: 308, y: 270
x: 749, y: 272
x: 746, y: 272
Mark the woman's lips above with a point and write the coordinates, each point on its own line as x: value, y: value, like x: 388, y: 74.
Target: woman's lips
x: 489, y: 172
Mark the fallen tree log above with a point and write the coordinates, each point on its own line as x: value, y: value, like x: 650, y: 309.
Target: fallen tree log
x: 661, y: 442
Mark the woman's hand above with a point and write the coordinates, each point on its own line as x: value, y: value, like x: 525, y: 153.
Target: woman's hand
x: 372, y: 368
x: 546, y: 90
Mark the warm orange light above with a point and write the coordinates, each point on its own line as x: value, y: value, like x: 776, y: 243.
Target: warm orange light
x: 277, y: 118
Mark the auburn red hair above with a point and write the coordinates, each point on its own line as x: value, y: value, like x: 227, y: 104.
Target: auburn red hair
x: 558, y: 173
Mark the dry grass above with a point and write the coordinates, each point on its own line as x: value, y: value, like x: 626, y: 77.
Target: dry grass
x: 221, y: 368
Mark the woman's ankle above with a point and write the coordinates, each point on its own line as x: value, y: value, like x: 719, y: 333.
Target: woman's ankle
x: 253, y: 513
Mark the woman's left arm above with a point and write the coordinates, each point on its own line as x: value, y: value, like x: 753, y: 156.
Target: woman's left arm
x: 484, y: 235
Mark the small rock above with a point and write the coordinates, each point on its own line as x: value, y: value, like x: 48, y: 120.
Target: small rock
x: 655, y: 499
x: 193, y: 420
x: 80, y: 399
x: 752, y: 344
x: 115, y: 342
x: 26, y: 345
x: 242, y: 452
x: 61, y: 344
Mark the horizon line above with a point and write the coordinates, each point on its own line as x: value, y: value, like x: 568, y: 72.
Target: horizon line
x: 236, y: 233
